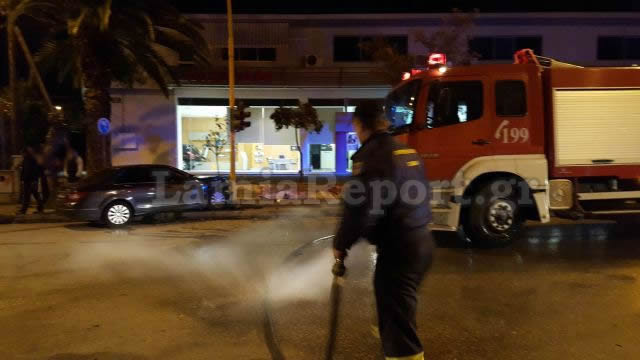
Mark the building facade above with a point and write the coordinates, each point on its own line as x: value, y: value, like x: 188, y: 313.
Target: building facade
x: 282, y: 60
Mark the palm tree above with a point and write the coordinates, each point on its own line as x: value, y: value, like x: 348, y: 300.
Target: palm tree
x: 10, y: 12
x: 100, y: 42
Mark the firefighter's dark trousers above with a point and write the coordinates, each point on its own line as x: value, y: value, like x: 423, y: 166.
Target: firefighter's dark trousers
x: 400, y: 269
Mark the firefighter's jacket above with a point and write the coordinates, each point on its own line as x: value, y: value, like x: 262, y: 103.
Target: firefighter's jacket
x: 387, y: 197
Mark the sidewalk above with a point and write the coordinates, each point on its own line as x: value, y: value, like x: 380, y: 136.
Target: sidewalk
x: 8, y: 216
x: 275, y: 201
x: 281, y: 193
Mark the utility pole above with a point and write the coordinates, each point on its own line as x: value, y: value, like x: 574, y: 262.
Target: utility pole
x: 232, y: 99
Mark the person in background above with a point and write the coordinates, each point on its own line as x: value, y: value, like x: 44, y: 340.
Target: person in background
x: 41, y: 158
x: 30, y: 175
x: 73, y: 164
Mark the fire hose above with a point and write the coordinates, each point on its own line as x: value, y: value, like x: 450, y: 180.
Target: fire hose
x: 338, y: 271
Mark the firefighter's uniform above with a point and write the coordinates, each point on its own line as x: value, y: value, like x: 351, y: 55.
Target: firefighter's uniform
x: 397, y: 228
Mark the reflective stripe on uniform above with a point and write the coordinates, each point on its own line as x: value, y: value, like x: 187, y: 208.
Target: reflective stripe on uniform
x: 419, y: 356
x: 404, y: 152
x: 413, y: 163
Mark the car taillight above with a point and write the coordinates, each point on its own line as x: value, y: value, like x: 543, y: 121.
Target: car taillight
x: 76, y: 196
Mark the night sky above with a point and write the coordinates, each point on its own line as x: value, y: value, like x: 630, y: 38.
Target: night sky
x: 406, y: 6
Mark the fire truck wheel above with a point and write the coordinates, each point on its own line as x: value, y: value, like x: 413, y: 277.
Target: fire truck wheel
x: 493, y: 220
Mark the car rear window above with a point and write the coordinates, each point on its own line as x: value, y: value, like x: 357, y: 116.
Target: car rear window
x: 131, y: 175
x: 101, y: 177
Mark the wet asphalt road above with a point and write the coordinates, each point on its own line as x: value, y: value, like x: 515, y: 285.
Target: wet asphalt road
x: 195, y: 290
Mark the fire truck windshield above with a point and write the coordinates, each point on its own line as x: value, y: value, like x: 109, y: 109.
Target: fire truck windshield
x: 400, y: 105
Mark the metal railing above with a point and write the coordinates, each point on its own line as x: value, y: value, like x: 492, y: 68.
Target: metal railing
x: 286, y: 76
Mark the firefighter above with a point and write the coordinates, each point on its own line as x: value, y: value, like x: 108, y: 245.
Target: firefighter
x: 388, y: 202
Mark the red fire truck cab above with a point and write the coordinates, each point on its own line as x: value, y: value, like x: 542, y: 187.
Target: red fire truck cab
x: 506, y: 143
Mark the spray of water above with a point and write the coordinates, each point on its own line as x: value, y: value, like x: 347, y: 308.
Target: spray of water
x: 243, y: 265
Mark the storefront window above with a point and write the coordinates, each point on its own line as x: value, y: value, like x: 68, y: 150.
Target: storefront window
x: 259, y: 148
x: 204, y: 135
x: 321, y: 146
x: 353, y: 144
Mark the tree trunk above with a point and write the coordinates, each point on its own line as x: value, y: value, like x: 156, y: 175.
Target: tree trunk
x: 217, y: 164
x: 16, y: 139
x: 4, y: 149
x: 56, y: 119
x: 97, y: 104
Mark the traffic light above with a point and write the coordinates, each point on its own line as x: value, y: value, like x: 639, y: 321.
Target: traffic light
x: 238, y: 116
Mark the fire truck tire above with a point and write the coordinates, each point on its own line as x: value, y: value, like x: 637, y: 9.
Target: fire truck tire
x: 493, y: 220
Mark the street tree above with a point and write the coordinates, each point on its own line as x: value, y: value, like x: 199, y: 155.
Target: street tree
x: 390, y: 62
x: 217, y: 139
x: 452, y: 39
x: 101, y: 42
x: 303, y: 117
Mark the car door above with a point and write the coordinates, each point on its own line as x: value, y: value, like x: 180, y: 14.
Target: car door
x: 457, y: 128
x: 187, y: 189
x: 166, y: 191
x: 137, y: 186
x: 177, y: 190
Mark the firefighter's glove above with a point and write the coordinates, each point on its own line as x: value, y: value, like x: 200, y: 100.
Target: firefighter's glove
x: 338, y: 268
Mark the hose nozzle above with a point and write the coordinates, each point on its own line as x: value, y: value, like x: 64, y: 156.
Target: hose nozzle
x: 338, y: 268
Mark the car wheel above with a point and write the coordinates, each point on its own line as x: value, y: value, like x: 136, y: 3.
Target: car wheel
x: 217, y: 200
x: 117, y: 214
x: 493, y: 220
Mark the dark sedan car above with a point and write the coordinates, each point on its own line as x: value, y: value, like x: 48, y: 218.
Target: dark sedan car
x: 116, y: 195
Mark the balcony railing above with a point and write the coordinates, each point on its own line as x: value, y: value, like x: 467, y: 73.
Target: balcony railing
x: 285, y: 76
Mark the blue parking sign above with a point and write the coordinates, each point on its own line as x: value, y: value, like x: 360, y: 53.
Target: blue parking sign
x: 104, y: 126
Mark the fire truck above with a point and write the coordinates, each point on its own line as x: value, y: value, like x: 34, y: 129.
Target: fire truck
x: 507, y: 143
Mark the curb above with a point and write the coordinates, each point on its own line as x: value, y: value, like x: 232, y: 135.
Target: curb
x: 203, y: 215
x: 33, y: 219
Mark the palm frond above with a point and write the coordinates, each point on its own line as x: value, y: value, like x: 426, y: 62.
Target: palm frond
x: 59, y: 56
x: 119, y: 38
x: 44, y: 11
x: 150, y: 28
x: 74, y: 24
x: 145, y: 59
x: 104, y: 14
x: 180, y: 43
x: 155, y: 71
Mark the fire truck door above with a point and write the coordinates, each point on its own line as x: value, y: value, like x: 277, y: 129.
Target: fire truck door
x: 457, y: 125
x: 512, y: 130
